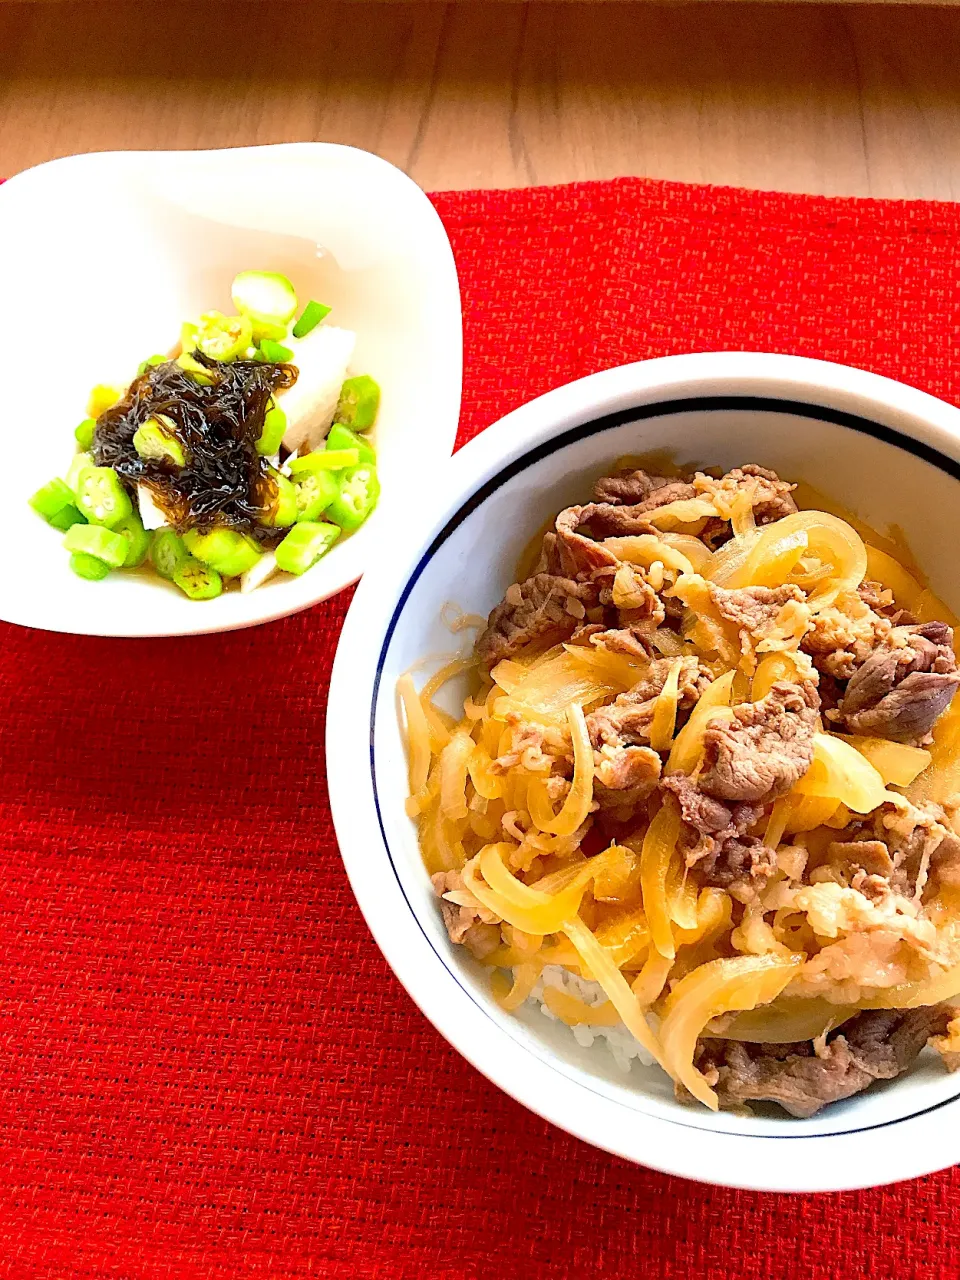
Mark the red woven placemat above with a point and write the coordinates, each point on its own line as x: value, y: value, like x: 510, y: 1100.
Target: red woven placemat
x: 206, y: 1069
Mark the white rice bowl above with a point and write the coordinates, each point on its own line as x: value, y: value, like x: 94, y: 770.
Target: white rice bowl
x: 882, y: 449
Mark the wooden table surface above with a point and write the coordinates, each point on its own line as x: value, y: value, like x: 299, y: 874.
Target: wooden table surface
x: 856, y: 100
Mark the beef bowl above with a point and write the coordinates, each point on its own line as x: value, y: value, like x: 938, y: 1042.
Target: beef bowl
x: 643, y: 758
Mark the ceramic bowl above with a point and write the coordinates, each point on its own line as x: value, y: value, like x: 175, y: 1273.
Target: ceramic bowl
x: 887, y: 451
x: 102, y: 257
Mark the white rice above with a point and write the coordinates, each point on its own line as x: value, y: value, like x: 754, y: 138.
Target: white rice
x: 617, y: 1040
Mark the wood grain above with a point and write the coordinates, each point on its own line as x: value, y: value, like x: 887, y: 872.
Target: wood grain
x: 857, y: 100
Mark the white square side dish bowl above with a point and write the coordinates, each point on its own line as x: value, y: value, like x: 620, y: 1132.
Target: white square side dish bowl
x: 886, y: 451
x: 103, y: 256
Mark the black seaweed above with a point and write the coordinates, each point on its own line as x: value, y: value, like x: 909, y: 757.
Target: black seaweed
x: 225, y: 482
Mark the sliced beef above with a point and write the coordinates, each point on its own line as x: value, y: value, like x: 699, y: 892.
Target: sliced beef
x: 767, y: 746
x: 545, y: 608
x: 549, y: 561
x: 753, y: 609
x: 672, y: 491
x: 626, y: 720
x: 841, y: 640
x: 715, y: 533
x: 715, y: 839
x: 772, y: 496
x: 874, y: 1045
x: 904, y: 685
x: 741, y: 864
x: 626, y: 487
x: 865, y: 865
x: 674, y: 609
x: 606, y: 520
x: 627, y: 769
x: 871, y: 868
x: 630, y: 488
x: 613, y: 520
x: 907, y: 847
x: 948, y: 1045
x: 526, y: 748
x: 580, y: 556
x: 879, y: 599
x: 479, y: 939
x: 871, y: 856
x: 465, y: 919
x: 945, y: 861
x: 831, y: 691
x: 708, y: 816
x: 629, y: 642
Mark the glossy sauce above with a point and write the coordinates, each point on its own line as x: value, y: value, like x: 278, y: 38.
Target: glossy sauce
x: 225, y: 482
